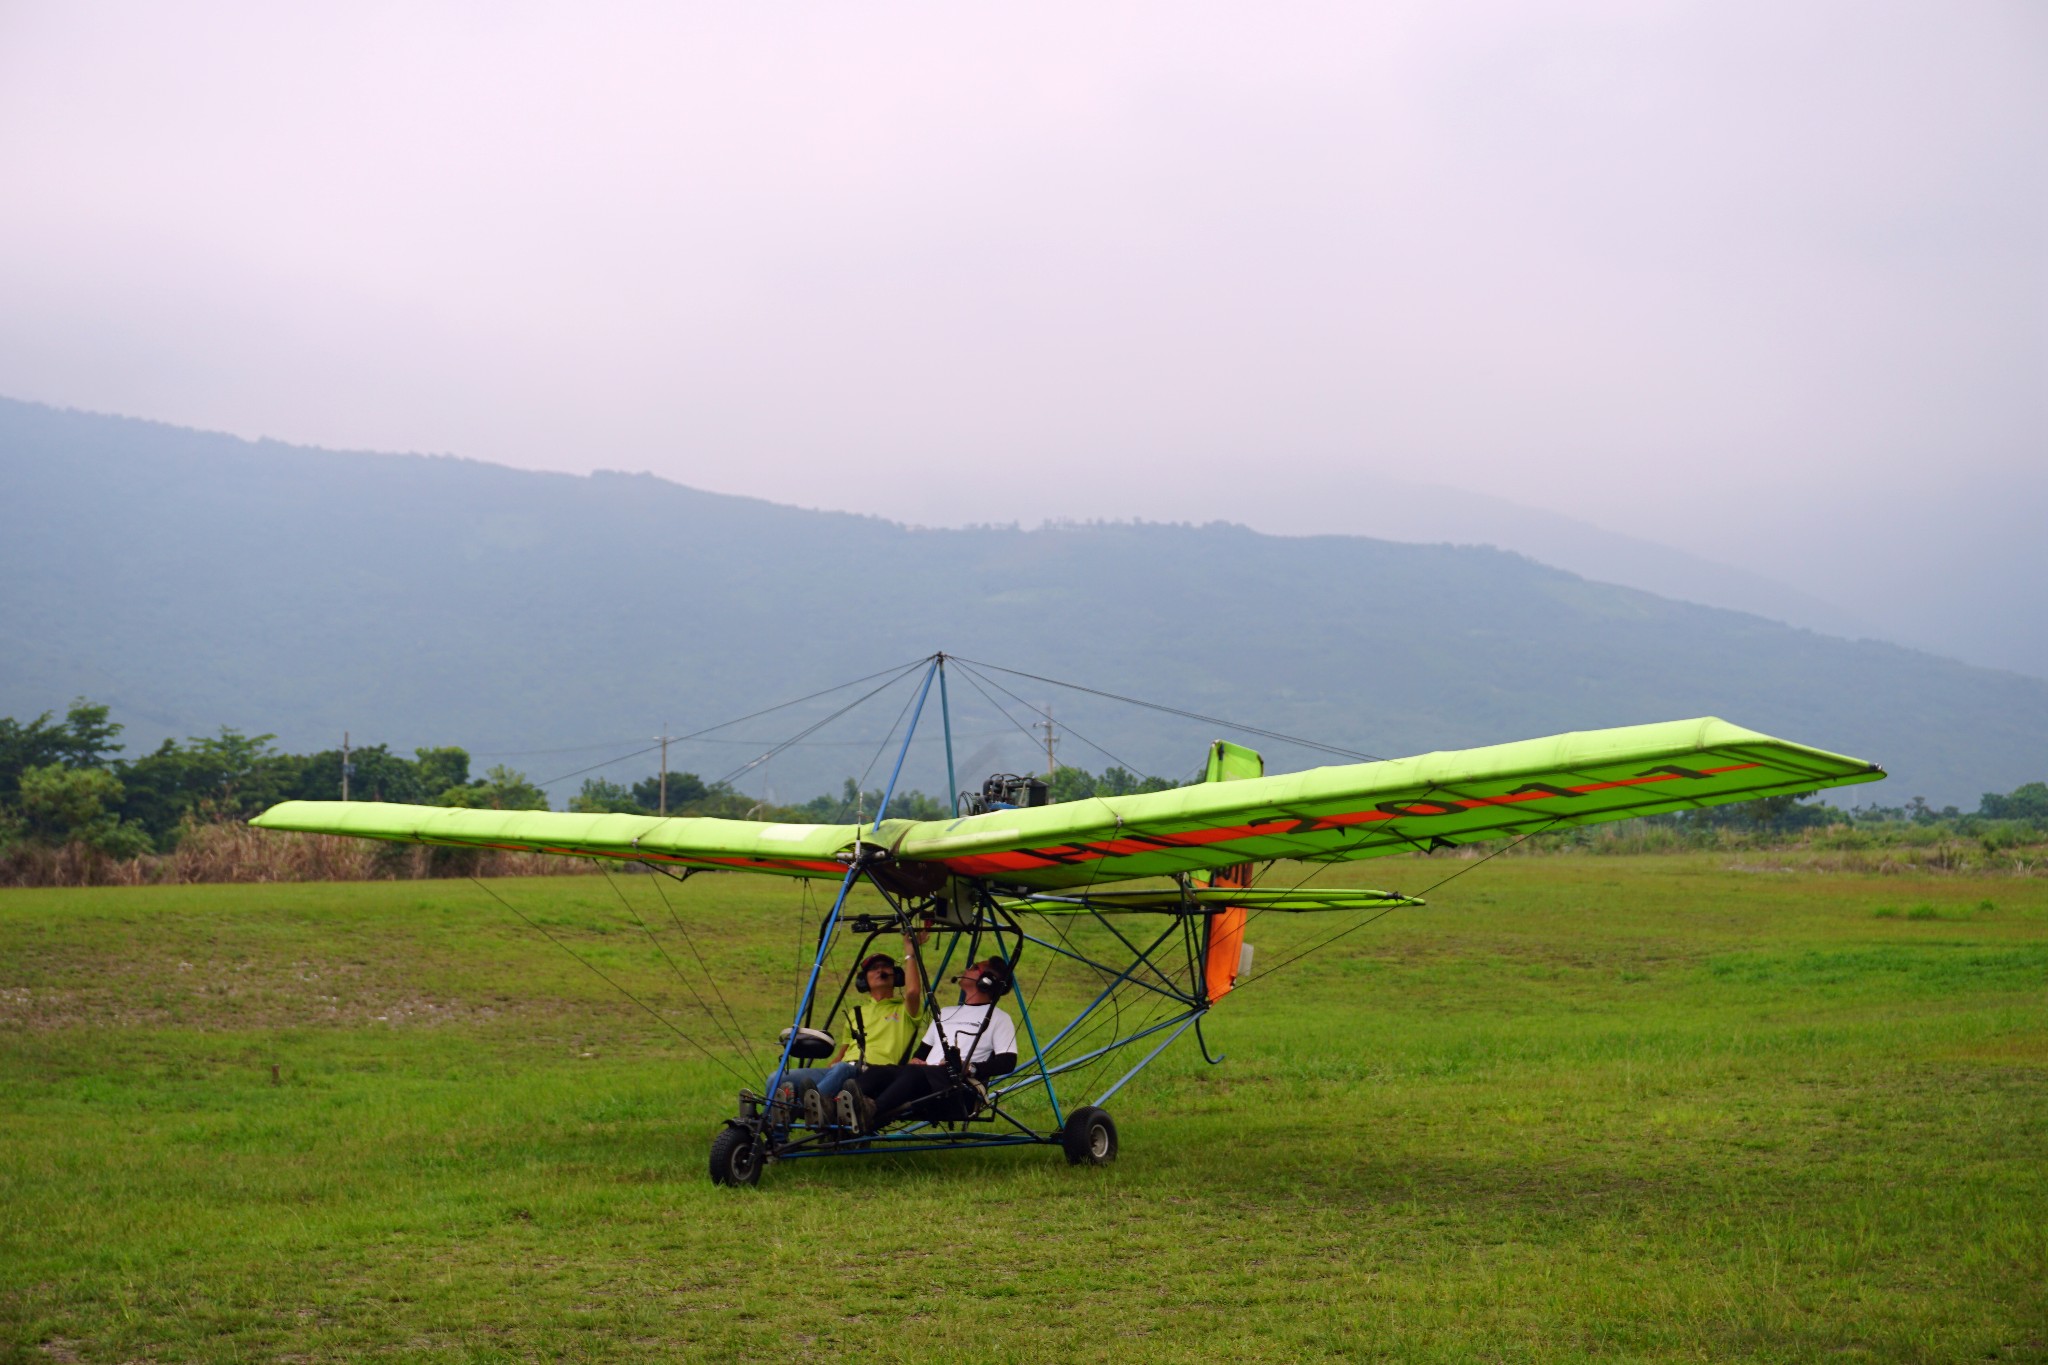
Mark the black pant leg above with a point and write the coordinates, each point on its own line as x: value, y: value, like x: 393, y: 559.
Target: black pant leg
x: 910, y: 1085
x: 876, y: 1079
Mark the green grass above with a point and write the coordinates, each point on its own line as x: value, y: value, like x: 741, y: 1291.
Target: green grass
x: 1618, y: 1108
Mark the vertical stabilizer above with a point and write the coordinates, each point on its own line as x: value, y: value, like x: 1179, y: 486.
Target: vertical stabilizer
x: 1224, y: 954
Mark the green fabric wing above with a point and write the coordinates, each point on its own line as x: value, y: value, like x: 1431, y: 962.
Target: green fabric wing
x: 684, y: 841
x: 1367, y: 810
x: 1361, y: 810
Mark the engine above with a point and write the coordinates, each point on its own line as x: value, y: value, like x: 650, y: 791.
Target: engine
x: 1005, y: 791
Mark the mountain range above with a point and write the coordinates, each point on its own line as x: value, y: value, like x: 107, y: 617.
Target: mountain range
x: 556, y: 622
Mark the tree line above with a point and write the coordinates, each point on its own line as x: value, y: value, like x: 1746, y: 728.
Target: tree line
x: 66, y: 781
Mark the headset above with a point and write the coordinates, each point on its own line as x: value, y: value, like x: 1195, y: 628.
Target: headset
x: 994, y: 978
x: 881, y: 960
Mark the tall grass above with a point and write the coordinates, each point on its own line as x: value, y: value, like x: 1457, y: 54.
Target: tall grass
x: 1578, y: 1109
x: 235, y: 852
x: 1904, y: 849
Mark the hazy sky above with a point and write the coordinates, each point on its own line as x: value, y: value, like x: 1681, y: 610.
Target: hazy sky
x: 1700, y: 270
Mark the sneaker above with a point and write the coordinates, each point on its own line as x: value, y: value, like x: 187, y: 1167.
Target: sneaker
x: 783, y: 1112
x: 814, y: 1109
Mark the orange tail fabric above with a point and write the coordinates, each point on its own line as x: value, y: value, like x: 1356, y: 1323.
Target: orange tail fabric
x: 1226, y: 936
x: 1226, y: 942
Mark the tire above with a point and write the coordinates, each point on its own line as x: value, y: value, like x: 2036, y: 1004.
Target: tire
x: 735, y: 1157
x: 1089, y: 1137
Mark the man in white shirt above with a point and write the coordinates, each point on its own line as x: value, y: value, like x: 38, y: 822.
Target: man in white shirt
x: 976, y: 1039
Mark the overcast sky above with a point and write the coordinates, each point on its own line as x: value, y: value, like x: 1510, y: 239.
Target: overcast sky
x: 1696, y: 270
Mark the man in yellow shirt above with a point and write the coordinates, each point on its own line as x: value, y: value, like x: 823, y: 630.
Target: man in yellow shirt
x: 881, y: 1030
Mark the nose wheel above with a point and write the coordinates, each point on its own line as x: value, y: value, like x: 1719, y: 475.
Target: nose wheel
x: 735, y: 1156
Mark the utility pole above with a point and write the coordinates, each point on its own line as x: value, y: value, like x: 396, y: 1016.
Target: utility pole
x: 345, y: 765
x: 664, y: 767
x: 1051, y: 739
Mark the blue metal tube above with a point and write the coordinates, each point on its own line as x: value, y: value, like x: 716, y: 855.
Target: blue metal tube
x: 964, y: 1140
x: 1120, y: 978
x: 904, y: 752
x: 1052, y: 1096
x: 1092, y: 1006
x: 811, y: 986
x: 1103, y: 1098
x: 1087, y: 1057
x: 1105, y: 967
x: 1146, y: 956
x: 946, y: 720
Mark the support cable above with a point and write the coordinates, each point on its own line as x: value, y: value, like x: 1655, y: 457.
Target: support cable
x: 608, y: 981
x: 755, y: 762
x: 659, y: 947
x: 999, y: 708
x: 860, y: 786
x: 1067, y: 727
x: 752, y: 715
x: 709, y: 975
x: 1318, y: 947
x: 1187, y: 715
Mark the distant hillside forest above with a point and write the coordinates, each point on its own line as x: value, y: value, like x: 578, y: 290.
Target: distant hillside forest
x: 72, y: 808
x: 191, y: 580
x: 65, y: 786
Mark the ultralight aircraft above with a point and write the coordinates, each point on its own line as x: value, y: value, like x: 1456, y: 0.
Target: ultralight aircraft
x: 1010, y: 871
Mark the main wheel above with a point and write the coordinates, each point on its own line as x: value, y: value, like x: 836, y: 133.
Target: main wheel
x: 1089, y: 1137
x: 735, y: 1157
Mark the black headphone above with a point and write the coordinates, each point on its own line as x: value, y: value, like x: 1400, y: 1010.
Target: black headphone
x: 882, y: 960
x: 994, y: 978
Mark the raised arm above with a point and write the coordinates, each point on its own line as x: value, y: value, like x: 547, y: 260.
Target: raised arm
x: 913, y: 977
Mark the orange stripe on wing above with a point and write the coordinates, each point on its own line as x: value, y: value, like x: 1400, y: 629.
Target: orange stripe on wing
x: 1056, y: 855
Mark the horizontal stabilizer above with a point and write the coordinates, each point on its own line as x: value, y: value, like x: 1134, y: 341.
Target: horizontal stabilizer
x: 1202, y: 899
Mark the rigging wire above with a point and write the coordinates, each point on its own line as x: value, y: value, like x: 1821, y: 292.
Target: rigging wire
x: 658, y: 1018
x: 708, y: 974
x: 805, y: 908
x: 968, y: 673
x: 1176, y: 711
x: 766, y: 710
x: 1318, y: 947
x: 619, y: 891
x: 861, y: 783
x: 744, y: 768
x: 571, y: 749
x: 1068, y: 728
x: 595, y: 766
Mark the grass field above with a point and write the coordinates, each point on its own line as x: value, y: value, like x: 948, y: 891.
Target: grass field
x: 1656, y: 1108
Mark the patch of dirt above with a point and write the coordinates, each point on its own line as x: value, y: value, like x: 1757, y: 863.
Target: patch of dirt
x: 239, y: 996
